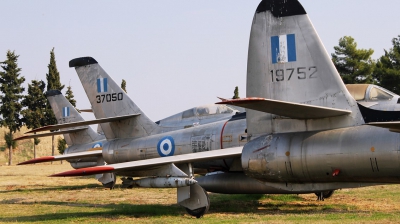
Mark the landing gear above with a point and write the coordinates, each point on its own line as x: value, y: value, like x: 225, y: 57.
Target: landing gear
x: 199, y: 212
x: 324, y: 194
x: 127, y: 182
x: 106, y: 177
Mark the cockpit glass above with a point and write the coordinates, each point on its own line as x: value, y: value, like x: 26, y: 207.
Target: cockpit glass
x: 188, y: 113
x: 377, y: 95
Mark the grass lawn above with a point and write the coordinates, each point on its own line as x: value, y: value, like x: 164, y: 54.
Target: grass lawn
x: 28, y: 195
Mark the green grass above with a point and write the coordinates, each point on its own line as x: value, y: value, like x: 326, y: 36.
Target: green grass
x: 27, y: 195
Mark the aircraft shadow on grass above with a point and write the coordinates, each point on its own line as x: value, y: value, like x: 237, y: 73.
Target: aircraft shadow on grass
x: 238, y: 204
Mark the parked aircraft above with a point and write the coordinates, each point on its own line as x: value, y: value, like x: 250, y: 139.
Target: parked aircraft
x: 305, y: 131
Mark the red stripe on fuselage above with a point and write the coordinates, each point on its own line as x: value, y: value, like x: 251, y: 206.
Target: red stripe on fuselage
x: 222, y: 133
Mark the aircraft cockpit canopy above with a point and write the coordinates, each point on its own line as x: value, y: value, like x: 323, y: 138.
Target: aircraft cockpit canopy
x: 199, y: 115
x: 207, y: 110
x: 369, y: 92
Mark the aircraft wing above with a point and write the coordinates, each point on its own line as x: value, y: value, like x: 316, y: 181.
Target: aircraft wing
x: 286, y: 109
x: 82, y: 123
x: 50, y: 133
x: 78, y: 155
x: 145, y: 164
x: 393, y: 126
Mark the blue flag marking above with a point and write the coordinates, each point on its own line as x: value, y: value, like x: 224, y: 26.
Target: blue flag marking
x: 283, y: 48
x: 101, y: 85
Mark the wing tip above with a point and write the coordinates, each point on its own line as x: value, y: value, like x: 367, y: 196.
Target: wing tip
x: 84, y: 171
x: 38, y: 160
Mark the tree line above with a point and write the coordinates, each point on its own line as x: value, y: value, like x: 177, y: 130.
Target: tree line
x: 356, y: 65
x: 31, y: 109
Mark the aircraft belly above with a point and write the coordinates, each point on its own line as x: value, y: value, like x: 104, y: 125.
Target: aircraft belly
x: 357, y: 154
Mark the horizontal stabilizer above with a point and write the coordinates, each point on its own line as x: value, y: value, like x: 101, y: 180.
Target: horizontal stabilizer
x: 82, y: 123
x: 392, y: 126
x: 148, y: 163
x: 286, y: 109
x: 78, y: 155
x: 50, y: 134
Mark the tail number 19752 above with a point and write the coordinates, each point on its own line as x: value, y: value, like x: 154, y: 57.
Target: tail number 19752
x: 279, y: 75
x: 109, y: 97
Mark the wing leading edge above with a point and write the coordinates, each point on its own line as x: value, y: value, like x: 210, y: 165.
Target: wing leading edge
x: 148, y: 163
x: 286, y: 109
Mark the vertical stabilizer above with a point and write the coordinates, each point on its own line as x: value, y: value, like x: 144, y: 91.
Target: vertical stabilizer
x: 288, y: 62
x: 109, y: 100
x: 66, y: 113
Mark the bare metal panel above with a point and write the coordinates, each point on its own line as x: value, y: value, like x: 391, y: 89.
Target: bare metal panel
x: 109, y: 100
x: 66, y: 113
x: 308, y: 78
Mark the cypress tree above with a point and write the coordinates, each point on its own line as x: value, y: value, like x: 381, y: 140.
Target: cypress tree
x: 35, y: 103
x: 236, y: 93
x: 70, y: 96
x: 53, y: 83
x: 10, y: 86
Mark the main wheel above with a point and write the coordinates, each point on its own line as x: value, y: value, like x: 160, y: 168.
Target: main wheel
x: 325, y: 194
x: 198, y: 213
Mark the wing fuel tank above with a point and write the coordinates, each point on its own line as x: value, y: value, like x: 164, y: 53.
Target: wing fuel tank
x: 163, y: 182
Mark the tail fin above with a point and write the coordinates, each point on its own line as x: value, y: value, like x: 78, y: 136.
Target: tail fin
x: 66, y: 113
x: 288, y: 62
x: 109, y: 100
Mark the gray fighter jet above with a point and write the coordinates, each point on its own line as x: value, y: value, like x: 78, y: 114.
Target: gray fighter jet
x: 306, y: 132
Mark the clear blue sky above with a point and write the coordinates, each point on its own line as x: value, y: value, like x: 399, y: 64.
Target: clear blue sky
x: 173, y: 54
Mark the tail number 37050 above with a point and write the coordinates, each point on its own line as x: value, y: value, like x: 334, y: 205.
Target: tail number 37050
x: 109, y: 97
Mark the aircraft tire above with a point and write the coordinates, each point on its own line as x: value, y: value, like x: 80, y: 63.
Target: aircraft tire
x: 198, y: 213
x: 326, y: 194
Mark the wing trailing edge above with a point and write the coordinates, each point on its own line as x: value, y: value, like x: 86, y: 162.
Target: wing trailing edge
x: 148, y: 163
x: 286, y: 109
x: 82, y: 123
x: 91, y: 153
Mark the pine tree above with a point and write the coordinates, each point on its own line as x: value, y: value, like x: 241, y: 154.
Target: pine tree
x: 354, y: 65
x: 387, y: 70
x: 53, y: 83
x: 35, y: 103
x: 236, y: 93
x: 70, y: 96
x: 10, y: 86
x: 123, y: 85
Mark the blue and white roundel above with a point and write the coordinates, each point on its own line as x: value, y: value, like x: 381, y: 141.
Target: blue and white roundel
x: 97, y: 145
x: 166, y: 146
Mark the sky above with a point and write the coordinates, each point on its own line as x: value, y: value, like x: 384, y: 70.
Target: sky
x: 176, y: 54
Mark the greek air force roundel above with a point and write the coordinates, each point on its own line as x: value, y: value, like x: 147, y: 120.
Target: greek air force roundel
x: 166, y: 146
